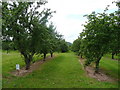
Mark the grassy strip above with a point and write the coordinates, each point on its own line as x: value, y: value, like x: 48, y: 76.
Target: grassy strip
x: 12, y: 58
x: 110, y: 66
x: 64, y: 71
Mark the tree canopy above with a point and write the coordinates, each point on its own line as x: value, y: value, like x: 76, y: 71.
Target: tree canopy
x: 100, y: 36
x: 29, y: 29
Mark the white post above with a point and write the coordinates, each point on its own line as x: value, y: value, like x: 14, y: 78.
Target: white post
x: 18, y: 68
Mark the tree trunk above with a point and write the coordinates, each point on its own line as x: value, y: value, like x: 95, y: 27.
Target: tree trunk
x: 81, y: 56
x: 44, y: 56
x: 27, y: 64
x: 28, y: 61
x: 27, y: 58
x: 97, y: 65
x: 51, y: 54
x: 113, y: 55
x: 78, y: 54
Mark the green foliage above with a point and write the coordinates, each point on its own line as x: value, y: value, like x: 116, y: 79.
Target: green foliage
x: 69, y: 45
x: 63, y: 46
x: 100, y: 36
x: 27, y: 27
x: 76, y: 46
x: 97, y: 37
x: 49, y: 44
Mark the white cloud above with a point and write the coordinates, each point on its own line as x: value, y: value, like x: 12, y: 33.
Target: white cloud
x: 69, y: 14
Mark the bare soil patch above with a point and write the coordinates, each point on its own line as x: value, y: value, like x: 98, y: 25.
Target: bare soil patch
x: 101, y: 76
x: 33, y: 67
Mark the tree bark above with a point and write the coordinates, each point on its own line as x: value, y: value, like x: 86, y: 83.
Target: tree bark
x: 97, y: 65
x: 113, y: 55
x: 81, y: 56
x: 51, y: 54
x: 27, y: 61
x: 44, y: 56
x: 27, y: 58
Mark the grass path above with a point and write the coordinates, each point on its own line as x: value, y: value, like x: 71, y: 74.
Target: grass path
x: 64, y: 71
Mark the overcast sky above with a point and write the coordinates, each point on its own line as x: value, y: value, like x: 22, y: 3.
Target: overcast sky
x: 69, y: 14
